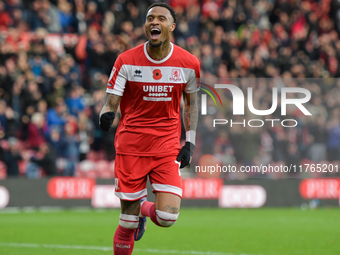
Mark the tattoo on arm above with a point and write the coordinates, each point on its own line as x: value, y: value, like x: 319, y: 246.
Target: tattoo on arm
x: 170, y: 209
x: 190, y: 111
x: 111, y: 104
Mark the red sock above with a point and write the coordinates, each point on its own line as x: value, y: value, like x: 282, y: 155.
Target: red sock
x: 123, y: 241
x: 148, y: 209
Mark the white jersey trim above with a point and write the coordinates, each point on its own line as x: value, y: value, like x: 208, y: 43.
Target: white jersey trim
x: 114, y: 91
x: 191, y: 86
x: 158, y: 61
x: 167, y: 188
x: 132, y: 196
x: 169, y: 74
x: 119, y: 86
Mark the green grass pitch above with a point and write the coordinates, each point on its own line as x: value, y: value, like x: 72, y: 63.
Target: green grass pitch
x: 274, y: 231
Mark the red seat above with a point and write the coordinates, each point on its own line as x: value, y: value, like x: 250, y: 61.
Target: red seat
x: 107, y: 174
x: 91, y: 174
x: 102, y: 165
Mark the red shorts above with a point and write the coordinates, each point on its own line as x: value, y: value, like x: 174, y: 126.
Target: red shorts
x: 131, y: 173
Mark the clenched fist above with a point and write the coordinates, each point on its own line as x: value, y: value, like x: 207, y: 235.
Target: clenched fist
x: 106, y: 120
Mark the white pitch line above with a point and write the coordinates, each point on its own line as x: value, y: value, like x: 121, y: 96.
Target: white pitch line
x: 103, y: 248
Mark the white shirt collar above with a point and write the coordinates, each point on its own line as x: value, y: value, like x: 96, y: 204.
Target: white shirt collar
x: 158, y: 61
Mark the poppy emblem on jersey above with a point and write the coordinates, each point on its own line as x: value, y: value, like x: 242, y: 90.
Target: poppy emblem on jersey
x: 157, y: 74
x: 175, y: 75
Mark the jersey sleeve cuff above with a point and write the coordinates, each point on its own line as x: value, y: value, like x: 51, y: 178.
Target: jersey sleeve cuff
x: 114, y: 91
x: 189, y: 91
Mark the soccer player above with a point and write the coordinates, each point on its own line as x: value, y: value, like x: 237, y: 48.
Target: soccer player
x: 148, y: 82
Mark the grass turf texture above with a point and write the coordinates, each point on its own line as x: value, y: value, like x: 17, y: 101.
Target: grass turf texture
x: 234, y: 231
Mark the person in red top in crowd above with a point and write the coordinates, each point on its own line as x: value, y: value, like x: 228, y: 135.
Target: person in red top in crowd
x: 148, y: 82
x: 5, y: 18
x: 37, y: 130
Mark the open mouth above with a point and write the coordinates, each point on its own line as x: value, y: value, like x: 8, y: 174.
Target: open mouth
x: 155, y: 33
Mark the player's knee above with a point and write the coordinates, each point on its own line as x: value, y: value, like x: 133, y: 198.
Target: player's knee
x: 166, y: 219
x: 128, y: 221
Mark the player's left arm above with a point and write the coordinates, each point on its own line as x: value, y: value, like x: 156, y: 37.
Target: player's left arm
x: 190, y: 118
x: 190, y: 114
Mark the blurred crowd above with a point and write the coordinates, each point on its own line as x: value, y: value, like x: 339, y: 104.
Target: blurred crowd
x: 52, y: 84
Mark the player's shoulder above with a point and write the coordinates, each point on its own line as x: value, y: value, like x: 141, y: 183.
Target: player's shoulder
x: 130, y: 56
x: 185, y: 57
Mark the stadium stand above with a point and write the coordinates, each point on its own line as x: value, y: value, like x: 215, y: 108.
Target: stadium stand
x: 55, y: 58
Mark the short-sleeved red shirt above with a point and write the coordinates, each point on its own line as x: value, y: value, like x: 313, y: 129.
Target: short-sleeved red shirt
x: 150, y: 105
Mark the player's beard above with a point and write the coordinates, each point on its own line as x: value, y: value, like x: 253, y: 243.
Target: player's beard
x: 155, y: 45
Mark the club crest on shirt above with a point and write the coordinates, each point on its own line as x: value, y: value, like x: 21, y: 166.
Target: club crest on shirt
x: 175, y: 74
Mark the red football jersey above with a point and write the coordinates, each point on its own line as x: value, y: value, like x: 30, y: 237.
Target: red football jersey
x: 150, y: 105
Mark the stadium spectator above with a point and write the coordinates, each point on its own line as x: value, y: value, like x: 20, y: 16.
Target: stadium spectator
x: 5, y: 18
x: 75, y: 102
x: 70, y: 147
x: 44, y: 159
x: 333, y: 141
x: 37, y: 131
x: 10, y: 155
x: 85, y: 128
x: 57, y: 116
x: 45, y: 15
x: 317, y: 150
x: 66, y: 16
x: 55, y: 140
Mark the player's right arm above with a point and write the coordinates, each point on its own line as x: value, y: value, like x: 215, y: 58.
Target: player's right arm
x: 108, y: 112
x: 111, y: 104
x: 115, y: 89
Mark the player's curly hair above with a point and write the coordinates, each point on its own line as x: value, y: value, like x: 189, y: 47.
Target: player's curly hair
x: 165, y: 5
